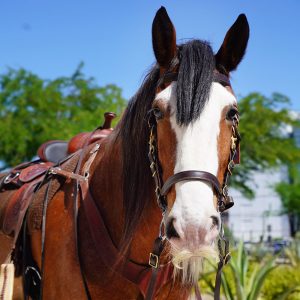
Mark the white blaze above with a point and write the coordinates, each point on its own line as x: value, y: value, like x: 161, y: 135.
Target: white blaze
x: 197, y: 149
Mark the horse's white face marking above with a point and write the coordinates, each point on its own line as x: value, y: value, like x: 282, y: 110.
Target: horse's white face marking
x: 197, y: 149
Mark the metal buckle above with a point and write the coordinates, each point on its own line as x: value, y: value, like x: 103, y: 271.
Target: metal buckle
x: 227, y: 258
x: 10, y: 177
x: 225, y: 191
x: 53, y: 170
x: 153, y: 260
x: 233, y: 142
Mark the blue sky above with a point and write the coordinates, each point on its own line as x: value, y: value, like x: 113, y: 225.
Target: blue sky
x: 113, y: 39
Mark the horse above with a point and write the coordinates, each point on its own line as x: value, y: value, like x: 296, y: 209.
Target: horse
x: 137, y: 213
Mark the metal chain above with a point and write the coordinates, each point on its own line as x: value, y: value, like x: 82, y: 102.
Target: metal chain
x: 154, y: 166
x: 226, y: 202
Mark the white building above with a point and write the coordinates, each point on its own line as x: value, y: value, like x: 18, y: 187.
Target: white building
x: 260, y: 218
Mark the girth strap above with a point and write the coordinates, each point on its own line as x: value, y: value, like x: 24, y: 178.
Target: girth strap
x: 192, y: 175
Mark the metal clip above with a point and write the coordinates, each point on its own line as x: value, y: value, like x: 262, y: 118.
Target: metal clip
x: 10, y: 177
x: 53, y: 171
x: 153, y: 260
x: 233, y: 142
x: 95, y: 148
x: 225, y: 191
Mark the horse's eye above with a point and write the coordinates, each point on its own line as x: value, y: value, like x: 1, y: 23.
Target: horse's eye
x: 158, y: 113
x: 231, y: 113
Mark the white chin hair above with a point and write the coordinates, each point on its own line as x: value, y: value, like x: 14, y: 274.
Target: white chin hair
x: 189, y: 263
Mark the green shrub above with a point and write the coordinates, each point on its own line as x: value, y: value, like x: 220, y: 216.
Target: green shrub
x: 283, y: 280
x: 241, y: 279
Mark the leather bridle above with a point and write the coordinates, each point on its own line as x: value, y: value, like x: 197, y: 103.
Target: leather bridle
x: 221, y: 190
x: 224, y: 201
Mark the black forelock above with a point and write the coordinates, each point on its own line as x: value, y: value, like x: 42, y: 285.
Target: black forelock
x: 195, y: 77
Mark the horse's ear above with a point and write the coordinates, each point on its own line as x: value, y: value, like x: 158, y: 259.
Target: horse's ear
x: 234, y: 45
x: 163, y: 38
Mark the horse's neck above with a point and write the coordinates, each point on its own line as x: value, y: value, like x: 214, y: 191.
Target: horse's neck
x: 106, y: 187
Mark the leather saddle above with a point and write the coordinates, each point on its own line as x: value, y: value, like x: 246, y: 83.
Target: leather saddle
x: 56, y: 150
x: 18, y: 186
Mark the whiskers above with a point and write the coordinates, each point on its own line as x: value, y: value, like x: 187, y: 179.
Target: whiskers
x: 189, y: 263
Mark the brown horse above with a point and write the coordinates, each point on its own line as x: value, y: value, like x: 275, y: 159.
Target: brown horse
x: 184, y: 119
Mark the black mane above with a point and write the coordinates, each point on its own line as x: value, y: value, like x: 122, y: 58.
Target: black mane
x: 193, y: 88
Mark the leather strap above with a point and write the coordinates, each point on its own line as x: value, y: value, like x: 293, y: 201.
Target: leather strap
x: 66, y: 174
x: 140, y: 275
x: 224, y: 257
x: 173, y: 76
x: 192, y: 175
x: 221, y: 78
x: 197, y: 292
x: 137, y: 274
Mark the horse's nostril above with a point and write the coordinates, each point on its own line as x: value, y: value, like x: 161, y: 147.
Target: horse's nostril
x: 170, y: 229
x: 215, y: 221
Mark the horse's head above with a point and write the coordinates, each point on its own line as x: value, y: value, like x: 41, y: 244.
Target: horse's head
x: 195, y: 112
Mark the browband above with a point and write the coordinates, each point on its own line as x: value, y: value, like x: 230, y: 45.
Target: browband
x: 173, y: 76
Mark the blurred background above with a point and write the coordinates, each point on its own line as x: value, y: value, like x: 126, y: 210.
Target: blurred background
x: 64, y: 63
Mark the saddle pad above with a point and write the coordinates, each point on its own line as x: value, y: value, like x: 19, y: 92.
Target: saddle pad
x: 35, y: 212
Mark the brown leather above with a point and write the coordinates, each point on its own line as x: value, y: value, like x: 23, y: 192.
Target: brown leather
x: 108, y: 116
x: 32, y: 172
x: 137, y: 274
x: 192, y: 175
x: 21, y: 174
x: 80, y: 140
x: 16, y: 209
x: 86, y: 138
x: 221, y: 78
x: 24, y: 180
x: 110, y: 255
x: 237, y: 157
x: 42, y: 150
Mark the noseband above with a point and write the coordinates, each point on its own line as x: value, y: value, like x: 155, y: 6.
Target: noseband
x: 220, y: 189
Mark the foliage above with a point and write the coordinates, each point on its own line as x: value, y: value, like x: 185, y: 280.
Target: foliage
x: 285, y: 282
x: 293, y: 253
x: 33, y: 110
x: 289, y: 193
x: 282, y: 284
x: 264, y: 143
x: 240, y: 280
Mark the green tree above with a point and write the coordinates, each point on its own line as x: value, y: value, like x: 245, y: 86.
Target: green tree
x: 265, y: 143
x: 289, y: 193
x: 33, y: 110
